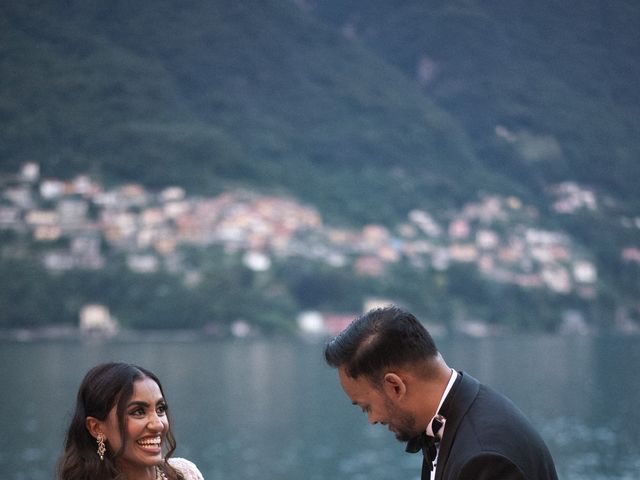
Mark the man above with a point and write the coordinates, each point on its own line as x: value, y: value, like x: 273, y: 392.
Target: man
x: 389, y: 366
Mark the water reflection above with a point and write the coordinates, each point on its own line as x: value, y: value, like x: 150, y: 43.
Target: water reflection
x: 272, y: 409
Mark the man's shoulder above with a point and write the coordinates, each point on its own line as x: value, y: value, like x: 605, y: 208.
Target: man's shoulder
x: 494, y: 430
x: 481, y: 399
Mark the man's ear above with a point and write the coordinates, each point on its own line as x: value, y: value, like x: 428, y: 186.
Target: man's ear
x: 394, y: 385
x: 94, y: 426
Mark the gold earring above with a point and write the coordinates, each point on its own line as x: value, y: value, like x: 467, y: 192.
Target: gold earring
x: 101, y: 446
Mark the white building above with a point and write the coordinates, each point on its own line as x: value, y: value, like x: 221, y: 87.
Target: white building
x: 96, y: 319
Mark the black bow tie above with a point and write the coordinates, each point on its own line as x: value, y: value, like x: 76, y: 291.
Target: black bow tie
x: 427, y: 444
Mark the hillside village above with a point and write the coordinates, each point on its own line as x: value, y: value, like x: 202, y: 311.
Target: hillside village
x: 498, y: 235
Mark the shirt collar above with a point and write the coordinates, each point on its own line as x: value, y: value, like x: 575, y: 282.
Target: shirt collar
x: 443, y: 420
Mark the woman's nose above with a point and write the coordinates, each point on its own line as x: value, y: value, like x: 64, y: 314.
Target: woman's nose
x: 155, y: 422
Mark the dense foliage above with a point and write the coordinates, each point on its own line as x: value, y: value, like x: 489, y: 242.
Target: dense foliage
x: 219, y: 93
x: 229, y: 292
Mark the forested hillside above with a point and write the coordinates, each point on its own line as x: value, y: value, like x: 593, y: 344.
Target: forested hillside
x: 208, y: 94
x: 561, y: 77
x: 365, y: 109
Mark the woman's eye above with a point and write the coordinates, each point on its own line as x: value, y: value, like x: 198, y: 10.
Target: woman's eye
x: 162, y: 408
x: 137, y: 411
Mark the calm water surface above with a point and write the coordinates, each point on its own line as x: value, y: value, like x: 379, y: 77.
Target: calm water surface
x: 271, y: 409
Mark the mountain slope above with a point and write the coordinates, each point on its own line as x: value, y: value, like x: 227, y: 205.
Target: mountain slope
x: 207, y: 94
x: 363, y: 109
x: 558, y: 79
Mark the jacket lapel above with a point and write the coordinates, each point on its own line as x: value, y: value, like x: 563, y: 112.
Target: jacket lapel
x: 454, y: 409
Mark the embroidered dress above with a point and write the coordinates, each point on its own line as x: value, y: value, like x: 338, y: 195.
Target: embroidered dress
x: 188, y: 469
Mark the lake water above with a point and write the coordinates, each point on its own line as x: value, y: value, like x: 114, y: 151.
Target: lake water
x: 271, y: 409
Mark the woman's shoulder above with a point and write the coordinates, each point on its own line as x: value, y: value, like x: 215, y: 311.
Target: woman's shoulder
x: 187, y: 468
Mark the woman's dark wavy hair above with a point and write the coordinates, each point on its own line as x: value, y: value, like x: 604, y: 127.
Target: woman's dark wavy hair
x: 380, y: 339
x: 103, y: 387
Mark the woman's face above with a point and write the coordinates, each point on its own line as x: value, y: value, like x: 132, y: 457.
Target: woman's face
x: 146, y: 426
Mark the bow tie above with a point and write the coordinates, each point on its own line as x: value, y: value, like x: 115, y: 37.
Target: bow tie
x: 427, y: 444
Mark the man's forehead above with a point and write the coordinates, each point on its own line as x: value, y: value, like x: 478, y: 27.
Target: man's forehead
x: 354, y: 387
x: 345, y: 378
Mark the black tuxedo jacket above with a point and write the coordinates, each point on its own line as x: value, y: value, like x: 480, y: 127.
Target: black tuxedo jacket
x: 487, y: 437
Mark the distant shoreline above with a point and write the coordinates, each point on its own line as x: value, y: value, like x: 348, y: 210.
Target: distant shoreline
x: 70, y: 334
x: 25, y: 335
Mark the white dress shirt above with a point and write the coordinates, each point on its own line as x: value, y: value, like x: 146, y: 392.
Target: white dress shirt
x: 443, y: 420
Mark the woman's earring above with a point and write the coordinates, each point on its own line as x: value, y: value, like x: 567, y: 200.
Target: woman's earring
x: 101, y: 446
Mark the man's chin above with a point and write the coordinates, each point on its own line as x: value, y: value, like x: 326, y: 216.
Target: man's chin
x: 403, y: 437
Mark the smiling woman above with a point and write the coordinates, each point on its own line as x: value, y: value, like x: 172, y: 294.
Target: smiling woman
x: 121, y: 429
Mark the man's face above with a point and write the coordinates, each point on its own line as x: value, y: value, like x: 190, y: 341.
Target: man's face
x: 379, y: 405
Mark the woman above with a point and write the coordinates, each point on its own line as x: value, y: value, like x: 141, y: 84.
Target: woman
x: 120, y: 429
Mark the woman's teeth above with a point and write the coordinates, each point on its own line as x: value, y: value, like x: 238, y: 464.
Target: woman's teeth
x: 150, y: 442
